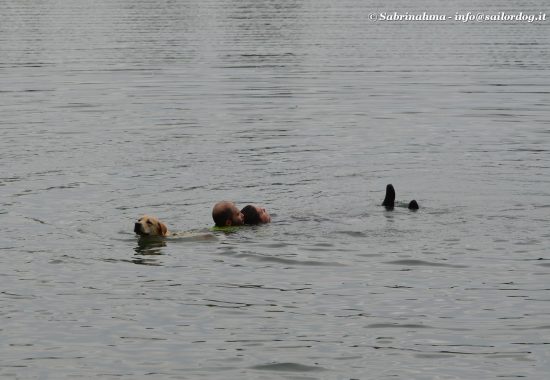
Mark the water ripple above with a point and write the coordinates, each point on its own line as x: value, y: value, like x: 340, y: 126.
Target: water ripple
x: 412, y: 262
x: 288, y: 367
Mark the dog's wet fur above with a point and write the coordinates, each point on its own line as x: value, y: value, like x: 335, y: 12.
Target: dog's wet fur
x: 389, y: 200
x: 151, y: 230
x: 150, y: 226
x: 413, y: 205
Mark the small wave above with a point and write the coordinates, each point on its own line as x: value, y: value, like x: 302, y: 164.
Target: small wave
x: 281, y: 260
x: 424, y: 263
x: 288, y: 367
x: 397, y: 325
x: 353, y: 233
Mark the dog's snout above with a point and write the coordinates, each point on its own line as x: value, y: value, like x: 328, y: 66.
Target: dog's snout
x: 137, y: 228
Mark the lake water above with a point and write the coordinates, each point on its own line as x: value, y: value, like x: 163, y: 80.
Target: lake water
x: 113, y: 109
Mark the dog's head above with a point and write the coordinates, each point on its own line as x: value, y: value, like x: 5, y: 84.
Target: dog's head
x: 150, y: 226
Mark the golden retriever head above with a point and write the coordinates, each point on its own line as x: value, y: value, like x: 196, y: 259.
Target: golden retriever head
x: 150, y: 226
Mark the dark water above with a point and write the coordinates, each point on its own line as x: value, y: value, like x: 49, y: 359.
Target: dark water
x: 112, y: 109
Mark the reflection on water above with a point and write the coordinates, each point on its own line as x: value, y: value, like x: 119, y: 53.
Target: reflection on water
x: 112, y: 109
x: 148, y: 246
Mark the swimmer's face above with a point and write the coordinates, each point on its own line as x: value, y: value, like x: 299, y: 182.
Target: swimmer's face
x: 237, y: 218
x: 264, y: 215
x: 255, y: 215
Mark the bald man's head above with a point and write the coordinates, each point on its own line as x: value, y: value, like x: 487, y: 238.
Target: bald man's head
x: 227, y: 214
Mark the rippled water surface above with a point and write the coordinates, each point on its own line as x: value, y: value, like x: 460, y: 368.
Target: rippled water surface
x: 113, y: 109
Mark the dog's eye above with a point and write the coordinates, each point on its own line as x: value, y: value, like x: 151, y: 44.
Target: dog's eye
x: 149, y: 222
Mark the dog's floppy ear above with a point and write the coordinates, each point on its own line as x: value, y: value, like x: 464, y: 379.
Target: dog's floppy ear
x: 163, y: 229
